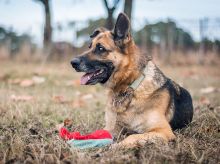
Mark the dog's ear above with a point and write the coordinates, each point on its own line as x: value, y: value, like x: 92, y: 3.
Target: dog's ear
x: 122, y: 30
x: 97, y: 32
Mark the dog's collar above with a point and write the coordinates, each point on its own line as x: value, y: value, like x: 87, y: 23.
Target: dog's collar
x: 134, y: 85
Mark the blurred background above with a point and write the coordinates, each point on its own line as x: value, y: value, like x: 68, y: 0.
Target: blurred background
x: 39, y: 90
x: 174, y: 31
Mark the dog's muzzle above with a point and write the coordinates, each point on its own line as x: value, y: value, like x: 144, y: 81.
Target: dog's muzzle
x: 95, y: 71
x: 75, y: 63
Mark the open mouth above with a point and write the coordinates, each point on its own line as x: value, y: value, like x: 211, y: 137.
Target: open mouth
x: 91, y: 77
x: 95, y: 71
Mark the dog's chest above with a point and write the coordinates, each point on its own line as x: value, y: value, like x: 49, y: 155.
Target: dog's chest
x: 134, y: 114
x: 134, y: 118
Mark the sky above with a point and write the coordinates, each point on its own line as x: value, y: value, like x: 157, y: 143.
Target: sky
x: 26, y: 16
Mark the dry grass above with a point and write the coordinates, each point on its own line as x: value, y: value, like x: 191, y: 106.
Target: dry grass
x: 28, y: 128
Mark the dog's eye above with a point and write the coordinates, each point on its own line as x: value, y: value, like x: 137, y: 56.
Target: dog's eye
x: 100, y: 48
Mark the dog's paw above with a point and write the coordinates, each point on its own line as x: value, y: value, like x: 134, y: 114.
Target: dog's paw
x: 117, y: 146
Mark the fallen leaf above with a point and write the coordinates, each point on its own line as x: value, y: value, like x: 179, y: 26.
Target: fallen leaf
x: 207, y: 90
x: 188, y: 74
x: 14, y: 81
x: 78, y: 93
x: 68, y: 122
x: 26, y: 83
x: 21, y: 98
x: 38, y: 79
x: 87, y: 96
x: 204, y: 100
x: 73, y: 83
x: 78, y: 103
x: 59, y: 99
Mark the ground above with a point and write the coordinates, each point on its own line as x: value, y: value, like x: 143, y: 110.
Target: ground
x: 36, y: 98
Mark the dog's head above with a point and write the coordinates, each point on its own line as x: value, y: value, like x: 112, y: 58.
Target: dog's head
x: 107, y: 53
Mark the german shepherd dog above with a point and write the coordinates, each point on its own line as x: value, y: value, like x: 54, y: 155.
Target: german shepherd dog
x: 141, y: 99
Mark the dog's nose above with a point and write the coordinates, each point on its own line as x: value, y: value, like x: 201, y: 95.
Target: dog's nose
x: 75, y: 62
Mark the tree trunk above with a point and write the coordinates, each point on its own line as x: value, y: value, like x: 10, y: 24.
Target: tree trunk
x: 128, y: 8
x: 110, y: 20
x: 110, y: 10
x: 47, y: 25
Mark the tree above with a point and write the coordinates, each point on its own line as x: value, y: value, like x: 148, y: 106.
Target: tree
x: 166, y: 35
x: 128, y: 8
x: 92, y: 25
x: 47, y: 24
x: 12, y: 40
x: 84, y: 33
x: 110, y: 10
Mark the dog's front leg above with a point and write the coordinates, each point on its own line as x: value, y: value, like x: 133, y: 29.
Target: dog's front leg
x: 111, y: 125
x: 138, y: 140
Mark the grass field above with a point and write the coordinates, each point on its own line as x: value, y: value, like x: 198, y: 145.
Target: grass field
x: 35, y: 98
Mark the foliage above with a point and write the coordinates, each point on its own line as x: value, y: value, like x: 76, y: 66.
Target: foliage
x: 92, y: 25
x: 154, y: 34
x: 12, y: 40
x: 217, y: 46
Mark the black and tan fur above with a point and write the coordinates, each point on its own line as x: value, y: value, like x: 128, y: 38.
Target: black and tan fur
x: 151, y: 111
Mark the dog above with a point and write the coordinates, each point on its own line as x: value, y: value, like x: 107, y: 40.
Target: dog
x: 142, y: 101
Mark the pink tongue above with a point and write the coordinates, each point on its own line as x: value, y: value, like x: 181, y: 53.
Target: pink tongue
x: 85, y: 78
